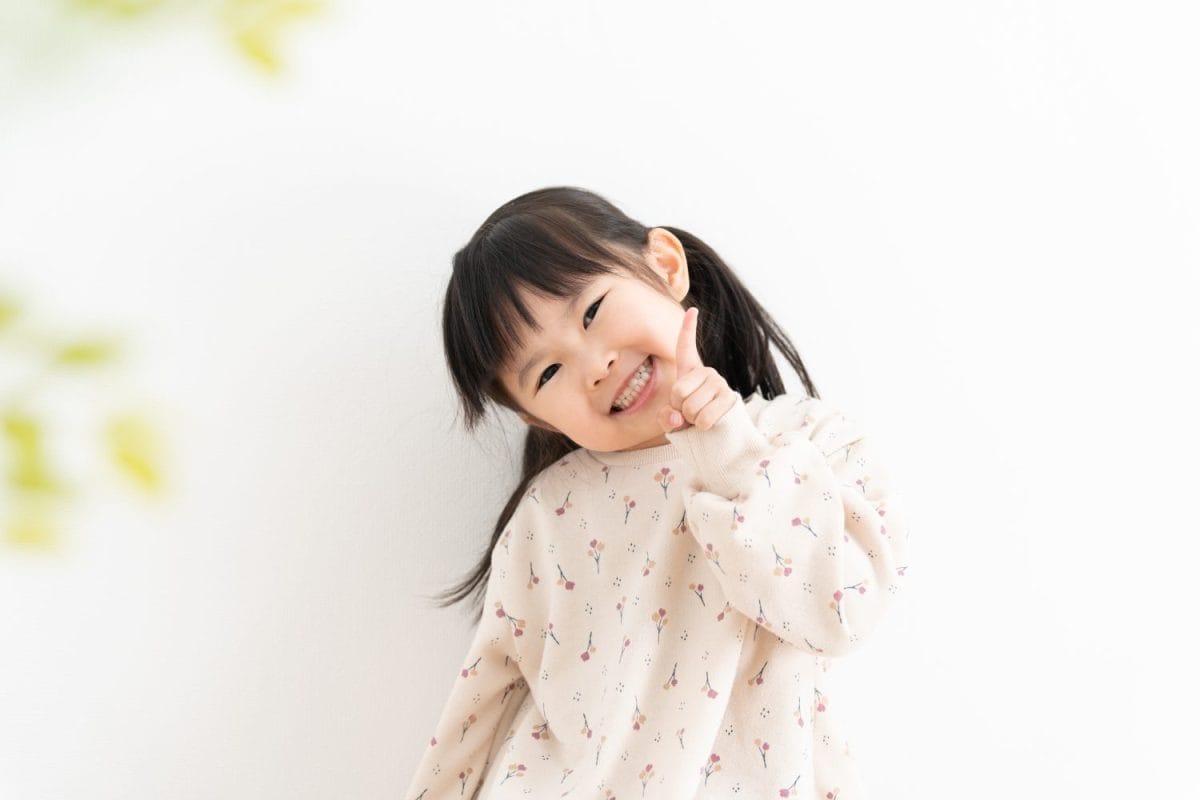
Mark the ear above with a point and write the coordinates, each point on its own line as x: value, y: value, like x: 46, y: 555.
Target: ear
x: 536, y: 423
x: 667, y: 257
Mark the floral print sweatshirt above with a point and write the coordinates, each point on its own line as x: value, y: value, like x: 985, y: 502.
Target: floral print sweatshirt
x: 658, y: 622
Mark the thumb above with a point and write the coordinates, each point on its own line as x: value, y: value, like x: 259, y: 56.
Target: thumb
x: 687, y: 356
x: 670, y: 420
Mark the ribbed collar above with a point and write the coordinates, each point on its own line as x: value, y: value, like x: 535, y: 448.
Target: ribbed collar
x: 632, y: 458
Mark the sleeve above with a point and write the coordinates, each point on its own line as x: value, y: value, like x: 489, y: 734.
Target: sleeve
x: 488, y: 685
x: 797, y: 519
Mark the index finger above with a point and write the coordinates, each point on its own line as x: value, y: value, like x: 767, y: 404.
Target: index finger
x: 687, y: 356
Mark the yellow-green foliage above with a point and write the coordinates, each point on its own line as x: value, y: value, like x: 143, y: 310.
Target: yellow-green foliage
x: 36, y: 492
x: 254, y: 26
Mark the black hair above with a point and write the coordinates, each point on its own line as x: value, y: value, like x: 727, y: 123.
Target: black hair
x: 553, y: 242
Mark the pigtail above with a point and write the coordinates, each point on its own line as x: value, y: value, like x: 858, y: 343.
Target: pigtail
x: 735, y: 332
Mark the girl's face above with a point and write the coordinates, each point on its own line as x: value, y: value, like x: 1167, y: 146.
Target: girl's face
x: 569, y: 374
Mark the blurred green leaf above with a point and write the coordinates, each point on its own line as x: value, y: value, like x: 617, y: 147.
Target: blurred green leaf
x: 255, y: 25
x: 9, y: 310
x: 134, y: 448
x: 86, y: 354
x: 120, y: 8
x: 28, y: 471
x: 34, y: 530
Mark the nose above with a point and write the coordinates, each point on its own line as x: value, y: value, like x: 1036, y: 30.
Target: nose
x: 603, y: 366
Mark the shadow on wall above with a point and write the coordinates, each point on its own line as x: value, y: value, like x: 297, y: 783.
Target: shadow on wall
x: 52, y: 419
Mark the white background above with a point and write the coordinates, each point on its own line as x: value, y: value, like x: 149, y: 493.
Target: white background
x: 977, y: 221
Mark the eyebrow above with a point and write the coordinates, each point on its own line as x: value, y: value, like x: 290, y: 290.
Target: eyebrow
x: 533, y: 359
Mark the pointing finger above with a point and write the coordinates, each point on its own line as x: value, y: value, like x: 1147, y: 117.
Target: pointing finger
x: 687, y: 356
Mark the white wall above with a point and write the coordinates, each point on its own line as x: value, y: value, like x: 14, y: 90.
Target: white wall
x: 977, y: 221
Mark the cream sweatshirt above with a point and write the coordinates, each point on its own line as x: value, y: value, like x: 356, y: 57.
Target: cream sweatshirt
x: 658, y: 622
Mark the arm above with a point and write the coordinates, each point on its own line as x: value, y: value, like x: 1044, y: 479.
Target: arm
x: 798, y: 504
x: 488, y: 685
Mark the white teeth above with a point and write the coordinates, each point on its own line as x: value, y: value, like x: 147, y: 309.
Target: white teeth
x: 635, y: 385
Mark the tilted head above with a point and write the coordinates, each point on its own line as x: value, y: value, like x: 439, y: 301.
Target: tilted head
x: 553, y: 307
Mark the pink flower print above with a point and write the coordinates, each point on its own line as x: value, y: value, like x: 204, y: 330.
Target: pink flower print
x: 542, y: 731
x: 629, y: 504
x: 781, y: 563
x: 799, y: 712
x: 862, y: 482
x: 836, y: 605
x: 624, y: 644
x: 600, y: 747
x: 681, y: 526
x: 713, y: 555
x: 698, y: 588
x: 586, y: 730
x: 533, y: 579
x: 504, y: 539
x: 562, y: 579
x: 566, y: 772
x: 566, y: 504
x: 762, y: 470
x: 621, y: 608
x: 798, y: 477
x: 832, y: 793
x: 514, y: 771
x: 758, y: 679
x: 550, y: 632
x: 639, y: 719
x: 724, y: 611
x: 664, y: 478
x: 587, y: 652
x: 672, y: 681
x: 679, y: 736
x: 471, y: 670
x: 432, y: 741
x: 707, y: 688
x: 790, y: 791
x: 518, y: 625
x: 804, y: 522
x: 737, y: 519
x: 466, y: 726
x: 532, y: 494
x: 819, y: 700
x: 659, y: 618
x: 645, y: 776
x: 763, y: 747
x: 462, y: 776
x: 900, y: 570
x: 647, y: 566
x: 594, y: 548
x: 605, y: 469
x: 761, y: 619
x: 812, y: 646
x: 711, y: 766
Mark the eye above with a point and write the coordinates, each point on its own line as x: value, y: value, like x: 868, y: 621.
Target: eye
x: 546, y: 373
x: 589, y: 314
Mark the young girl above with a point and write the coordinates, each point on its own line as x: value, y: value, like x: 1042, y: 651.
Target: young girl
x: 688, y: 546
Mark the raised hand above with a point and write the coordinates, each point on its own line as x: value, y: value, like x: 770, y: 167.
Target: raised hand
x: 700, y: 396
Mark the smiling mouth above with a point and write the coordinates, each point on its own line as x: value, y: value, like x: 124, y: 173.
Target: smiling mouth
x: 635, y: 387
